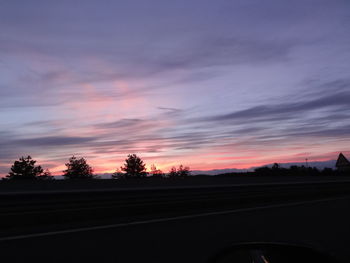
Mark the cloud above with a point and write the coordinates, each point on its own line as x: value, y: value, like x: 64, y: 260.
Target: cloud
x: 107, y: 80
x: 169, y: 109
x: 53, y: 141
x: 224, y: 51
x: 321, y: 131
x: 4, y: 169
x: 124, y: 123
x: 334, y: 101
x: 11, y: 144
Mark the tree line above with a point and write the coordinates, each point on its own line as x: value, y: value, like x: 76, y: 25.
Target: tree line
x: 78, y: 168
x: 276, y: 169
x: 293, y: 170
x: 134, y: 167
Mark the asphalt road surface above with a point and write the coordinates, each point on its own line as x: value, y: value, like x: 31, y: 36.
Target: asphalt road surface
x: 190, y: 230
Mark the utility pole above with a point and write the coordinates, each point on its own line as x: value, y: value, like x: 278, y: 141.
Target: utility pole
x: 307, y: 165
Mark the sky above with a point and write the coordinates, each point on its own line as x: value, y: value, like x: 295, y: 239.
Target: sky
x: 208, y: 84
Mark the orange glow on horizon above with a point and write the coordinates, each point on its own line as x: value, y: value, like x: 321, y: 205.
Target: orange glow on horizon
x: 200, y: 162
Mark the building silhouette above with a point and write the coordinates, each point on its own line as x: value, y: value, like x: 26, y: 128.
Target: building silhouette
x: 342, y: 163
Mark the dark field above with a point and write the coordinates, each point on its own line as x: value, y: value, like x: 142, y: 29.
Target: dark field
x: 63, y: 185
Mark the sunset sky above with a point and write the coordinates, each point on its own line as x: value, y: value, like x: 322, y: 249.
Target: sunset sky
x: 209, y: 84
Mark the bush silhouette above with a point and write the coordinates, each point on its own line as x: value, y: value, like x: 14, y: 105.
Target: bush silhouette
x: 78, y: 169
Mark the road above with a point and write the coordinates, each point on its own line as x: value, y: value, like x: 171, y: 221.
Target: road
x: 312, y: 215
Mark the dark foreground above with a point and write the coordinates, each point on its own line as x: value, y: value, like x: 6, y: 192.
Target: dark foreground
x: 183, y: 224
x: 61, y: 185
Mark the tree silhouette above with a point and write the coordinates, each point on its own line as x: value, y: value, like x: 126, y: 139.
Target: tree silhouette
x: 134, y: 166
x: 118, y: 174
x: 25, y: 169
x: 78, y: 169
x: 277, y: 170
x: 276, y: 166
x: 156, y: 172
x: 46, y: 176
x: 172, y: 172
x: 183, y: 171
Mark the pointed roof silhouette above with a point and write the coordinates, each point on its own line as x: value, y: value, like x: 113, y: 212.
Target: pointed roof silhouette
x: 342, y: 161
